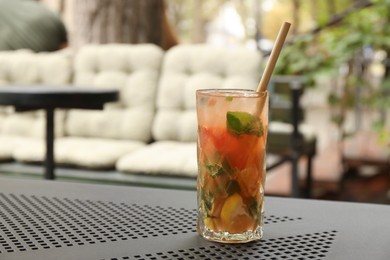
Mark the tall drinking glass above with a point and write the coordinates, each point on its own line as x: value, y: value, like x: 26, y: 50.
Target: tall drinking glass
x: 232, y: 134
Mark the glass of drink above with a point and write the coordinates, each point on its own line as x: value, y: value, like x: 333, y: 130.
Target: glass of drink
x: 232, y: 134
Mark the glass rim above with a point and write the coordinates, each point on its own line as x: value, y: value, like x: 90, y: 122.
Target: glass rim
x: 220, y: 92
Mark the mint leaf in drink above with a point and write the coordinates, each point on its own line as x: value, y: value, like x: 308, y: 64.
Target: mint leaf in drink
x: 214, y: 169
x: 244, y: 123
x: 208, y: 201
x: 218, y: 169
x: 254, y: 209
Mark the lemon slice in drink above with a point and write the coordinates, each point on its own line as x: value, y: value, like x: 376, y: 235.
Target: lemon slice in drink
x: 234, y: 215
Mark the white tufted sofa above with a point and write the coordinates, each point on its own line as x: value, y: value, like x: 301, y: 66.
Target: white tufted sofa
x: 97, y: 139
x: 152, y: 129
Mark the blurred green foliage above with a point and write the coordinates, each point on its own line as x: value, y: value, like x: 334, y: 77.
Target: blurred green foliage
x: 344, y: 45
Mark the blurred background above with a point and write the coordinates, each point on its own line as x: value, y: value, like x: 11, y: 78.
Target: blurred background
x: 340, y: 48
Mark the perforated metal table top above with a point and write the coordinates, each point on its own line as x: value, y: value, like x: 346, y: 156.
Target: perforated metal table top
x: 56, y: 220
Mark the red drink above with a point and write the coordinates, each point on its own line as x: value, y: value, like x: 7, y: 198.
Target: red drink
x: 232, y: 134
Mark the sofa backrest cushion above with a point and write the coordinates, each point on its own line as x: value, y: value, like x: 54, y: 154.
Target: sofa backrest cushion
x: 187, y: 68
x: 25, y: 67
x: 133, y: 70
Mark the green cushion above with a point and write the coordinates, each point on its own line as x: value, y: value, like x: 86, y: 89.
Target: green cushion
x: 27, y: 24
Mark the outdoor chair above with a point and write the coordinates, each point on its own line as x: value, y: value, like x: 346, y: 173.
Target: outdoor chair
x: 288, y: 138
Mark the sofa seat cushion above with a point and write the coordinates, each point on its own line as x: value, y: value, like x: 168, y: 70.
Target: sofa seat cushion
x: 9, y: 143
x: 83, y: 152
x: 163, y: 157
x: 166, y: 158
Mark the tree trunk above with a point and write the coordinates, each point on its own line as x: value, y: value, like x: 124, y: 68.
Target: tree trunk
x: 119, y: 21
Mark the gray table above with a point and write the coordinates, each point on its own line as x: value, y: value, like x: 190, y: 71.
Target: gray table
x: 55, y: 220
x: 50, y: 98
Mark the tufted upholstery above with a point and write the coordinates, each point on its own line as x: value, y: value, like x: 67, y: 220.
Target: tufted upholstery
x: 134, y: 70
x: 163, y: 157
x: 85, y: 152
x: 117, y: 136
x: 24, y: 67
x: 191, y: 67
x: 187, y: 68
x: 96, y: 139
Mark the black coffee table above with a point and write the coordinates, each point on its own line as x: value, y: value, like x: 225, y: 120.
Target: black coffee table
x: 49, y: 98
x: 58, y: 220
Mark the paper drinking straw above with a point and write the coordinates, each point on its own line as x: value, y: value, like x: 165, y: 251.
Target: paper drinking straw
x: 269, y: 68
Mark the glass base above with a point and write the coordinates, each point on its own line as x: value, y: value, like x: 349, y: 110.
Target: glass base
x: 226, y: 237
